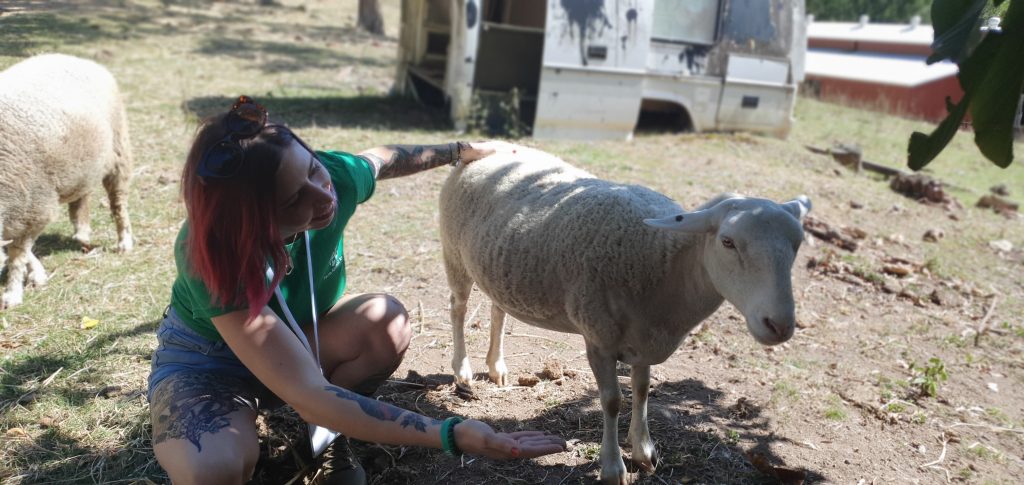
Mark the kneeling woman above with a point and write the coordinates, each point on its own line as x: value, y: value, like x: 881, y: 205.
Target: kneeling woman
x: 259, y: 201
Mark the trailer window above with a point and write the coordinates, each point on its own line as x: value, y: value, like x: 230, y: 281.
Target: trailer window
x: 690, y: 21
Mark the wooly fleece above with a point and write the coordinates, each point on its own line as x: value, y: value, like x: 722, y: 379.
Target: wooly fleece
x: 622, y: 265
x: 554, y: 246
x: 63, y: 130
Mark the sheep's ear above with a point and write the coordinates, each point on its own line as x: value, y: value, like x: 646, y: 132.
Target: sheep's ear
x: 698, y: 221
x: 799, y: 207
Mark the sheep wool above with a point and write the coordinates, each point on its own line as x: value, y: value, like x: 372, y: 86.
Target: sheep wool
x: 63, y: 129
x: 622, y: 265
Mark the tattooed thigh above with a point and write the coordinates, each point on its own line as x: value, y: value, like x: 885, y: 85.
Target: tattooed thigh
x: 187, y: 405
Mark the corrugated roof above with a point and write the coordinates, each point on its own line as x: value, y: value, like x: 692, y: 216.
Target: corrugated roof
x: 886, y: 33
x: 874, y: 67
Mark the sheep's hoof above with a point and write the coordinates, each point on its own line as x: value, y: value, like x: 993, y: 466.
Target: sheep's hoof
x: 125, y: 245
x: 36, y: 278
x: 10, y: 300
x: 499, y: 374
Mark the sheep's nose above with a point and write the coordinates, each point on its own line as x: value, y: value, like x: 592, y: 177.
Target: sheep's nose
x: 779, y: 331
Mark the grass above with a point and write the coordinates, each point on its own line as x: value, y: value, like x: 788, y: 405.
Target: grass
x: 179, y: 60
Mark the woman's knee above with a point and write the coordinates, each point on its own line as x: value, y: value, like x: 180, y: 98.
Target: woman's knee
x: 390, y: 321
x: 229, y: 464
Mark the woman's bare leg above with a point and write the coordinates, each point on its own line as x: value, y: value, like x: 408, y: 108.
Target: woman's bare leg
x: 203, y: 431
x: 364, y: 338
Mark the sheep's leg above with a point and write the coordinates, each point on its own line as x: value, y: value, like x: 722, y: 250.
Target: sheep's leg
x: 496, y: 353
x: 36, y: 272
x: 19, y: 253
x: 639, y: 437
x: 460, y: 284
x: 78, y: 211
x: 613, y: 469
x: 116, y: 184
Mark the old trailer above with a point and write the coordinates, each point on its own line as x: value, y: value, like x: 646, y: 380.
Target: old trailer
x: 594, y: 69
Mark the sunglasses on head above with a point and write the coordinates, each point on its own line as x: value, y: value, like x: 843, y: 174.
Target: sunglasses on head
x: 245, y: 120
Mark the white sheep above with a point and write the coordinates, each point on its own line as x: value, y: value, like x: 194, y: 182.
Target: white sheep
x: 559, y: 249
x: 62, y: 130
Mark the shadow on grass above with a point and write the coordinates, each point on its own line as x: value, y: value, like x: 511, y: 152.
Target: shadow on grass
x: 58, y: 454
x: 27, y: 34
x: 234, y: 30
x: 277, y: 57
x: 690, y: 447
x: 14, y: 389
x: 50, y: 243
x: 365, y: 112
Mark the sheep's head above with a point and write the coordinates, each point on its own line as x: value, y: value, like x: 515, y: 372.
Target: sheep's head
x: 749, y: 255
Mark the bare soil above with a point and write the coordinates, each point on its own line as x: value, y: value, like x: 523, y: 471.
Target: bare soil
x: 836, y: 404
x: 841, y: 402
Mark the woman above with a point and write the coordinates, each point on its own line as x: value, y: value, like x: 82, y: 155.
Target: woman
x: 252, y: 191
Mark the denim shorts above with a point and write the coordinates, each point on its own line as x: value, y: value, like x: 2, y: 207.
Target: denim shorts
x: 182, y: 350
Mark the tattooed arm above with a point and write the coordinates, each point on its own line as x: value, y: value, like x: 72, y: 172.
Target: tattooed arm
x: 397, y: 160
x: 273, y: 354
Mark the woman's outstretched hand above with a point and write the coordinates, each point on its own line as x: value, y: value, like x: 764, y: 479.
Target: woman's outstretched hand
x: 481, y: 149
x: 477, y: 438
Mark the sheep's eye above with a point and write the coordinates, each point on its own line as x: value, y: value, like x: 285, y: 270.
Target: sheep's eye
x: 727, y: 242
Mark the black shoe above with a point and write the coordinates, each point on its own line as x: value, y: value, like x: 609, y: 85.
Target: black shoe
x: 340, y: 466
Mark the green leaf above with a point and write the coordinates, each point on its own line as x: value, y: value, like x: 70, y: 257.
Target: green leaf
x: 924, y: 148
x: 998, y: 92
x: 956, y: 28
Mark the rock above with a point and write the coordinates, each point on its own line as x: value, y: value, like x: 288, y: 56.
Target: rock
x: 109, y: 392
x: 933, y: 235
x: 896, y: 270
x: 891, y: 286
x: 856, y: 205
x: 528, y: 380
x: 848, y: 155
x: 919, y: 187
x: 999, y: 190
x: 1001, y: 245
x: 998, y: 204
x: 552, y: 370
x: 946, y: 297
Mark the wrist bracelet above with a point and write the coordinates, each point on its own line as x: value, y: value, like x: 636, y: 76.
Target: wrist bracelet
x: 448, y: 436
x: 456, y: 152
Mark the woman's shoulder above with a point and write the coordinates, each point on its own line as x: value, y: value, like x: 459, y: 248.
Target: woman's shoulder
x: 349, y: 172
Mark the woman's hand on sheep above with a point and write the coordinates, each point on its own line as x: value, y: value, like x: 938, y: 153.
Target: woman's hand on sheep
x: 477, y: 438
x: 481, y: 149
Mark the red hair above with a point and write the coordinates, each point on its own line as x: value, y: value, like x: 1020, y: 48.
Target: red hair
x: 233, y: 233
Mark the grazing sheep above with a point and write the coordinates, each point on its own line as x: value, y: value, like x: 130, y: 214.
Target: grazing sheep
x: 62, y: 130
x: 559, y: 249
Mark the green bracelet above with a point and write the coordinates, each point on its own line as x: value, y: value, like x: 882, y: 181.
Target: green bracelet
x: 448, y: 436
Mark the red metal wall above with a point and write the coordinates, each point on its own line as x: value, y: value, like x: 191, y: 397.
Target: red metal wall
x: 925, y: 101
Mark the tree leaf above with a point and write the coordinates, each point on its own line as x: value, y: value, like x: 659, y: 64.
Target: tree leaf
x: 924, y: 148
x: 956, y: 28
x: 997, y: 93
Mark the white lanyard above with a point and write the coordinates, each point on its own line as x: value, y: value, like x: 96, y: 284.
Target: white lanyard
x: 312, y: 301
x: 319, y: 437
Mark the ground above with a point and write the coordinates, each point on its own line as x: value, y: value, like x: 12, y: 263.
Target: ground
x: 890, y: 378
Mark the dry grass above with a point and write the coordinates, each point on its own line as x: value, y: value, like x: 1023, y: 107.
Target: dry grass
x: 177, y: 60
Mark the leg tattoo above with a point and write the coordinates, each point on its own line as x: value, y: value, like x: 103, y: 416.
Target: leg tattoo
x: 192, y: 404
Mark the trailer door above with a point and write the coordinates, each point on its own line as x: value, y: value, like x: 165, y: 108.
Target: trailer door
x: 757, y: 96
x: 592, y: 76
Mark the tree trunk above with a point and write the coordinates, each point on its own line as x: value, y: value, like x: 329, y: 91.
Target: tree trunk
x: 370, y: 18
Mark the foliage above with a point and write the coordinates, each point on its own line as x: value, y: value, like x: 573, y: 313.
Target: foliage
x: 991, y: 76
x: 877, y: 10
x: 927, y: 379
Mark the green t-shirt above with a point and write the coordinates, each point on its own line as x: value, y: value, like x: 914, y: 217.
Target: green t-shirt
x: 354, y: 183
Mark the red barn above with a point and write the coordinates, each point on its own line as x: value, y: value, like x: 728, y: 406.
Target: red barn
x: 879, y: 66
